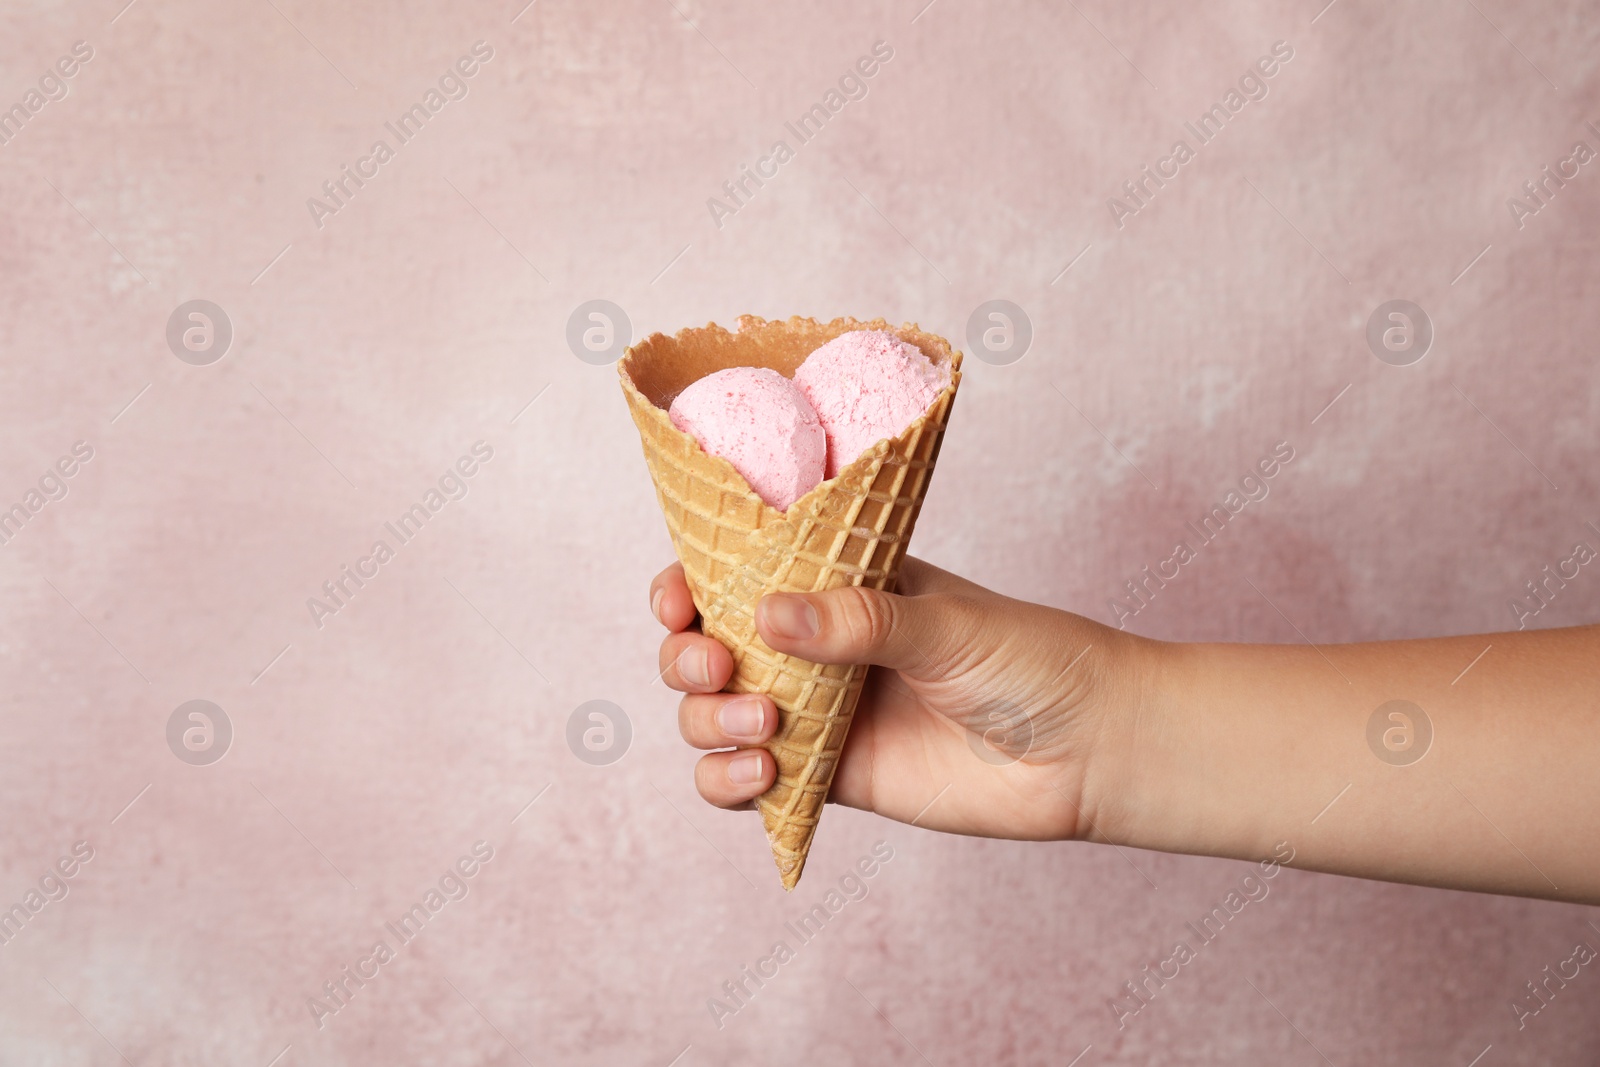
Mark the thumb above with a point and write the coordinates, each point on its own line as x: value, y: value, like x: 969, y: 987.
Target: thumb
x: 858, y: 625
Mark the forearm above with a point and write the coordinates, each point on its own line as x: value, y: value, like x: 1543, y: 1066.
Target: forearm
x: 1235, y: 748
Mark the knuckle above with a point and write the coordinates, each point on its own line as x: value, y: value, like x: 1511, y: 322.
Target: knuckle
x: 964, y: 612
x: 866, y: 619
x: 962, y: 622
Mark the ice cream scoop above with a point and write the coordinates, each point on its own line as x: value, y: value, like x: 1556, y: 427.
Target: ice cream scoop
x: 758, y: 421
x: 867, y: 385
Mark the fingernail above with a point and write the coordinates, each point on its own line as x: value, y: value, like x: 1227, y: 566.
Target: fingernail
x: 742, y: 719
x: 655, y: 603
x: 694, y: 666
x: 789, y: 616
x: 742, y: 770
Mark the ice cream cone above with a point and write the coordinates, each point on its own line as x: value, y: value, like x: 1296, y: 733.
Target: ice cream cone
x: 850, y: 530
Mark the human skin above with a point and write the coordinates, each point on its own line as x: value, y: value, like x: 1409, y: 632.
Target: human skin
x: 1208, y: 749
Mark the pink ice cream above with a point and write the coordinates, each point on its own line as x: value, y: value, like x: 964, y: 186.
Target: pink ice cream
x: 758, y: 421
x: 867, y: 385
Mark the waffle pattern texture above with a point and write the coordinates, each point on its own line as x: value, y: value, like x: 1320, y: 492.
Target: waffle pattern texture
x: 849, y: 530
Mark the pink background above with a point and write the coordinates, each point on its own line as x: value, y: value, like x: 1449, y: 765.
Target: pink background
x: 370, y: 754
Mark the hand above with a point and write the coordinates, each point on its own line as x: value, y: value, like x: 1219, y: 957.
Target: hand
x: 1210, y: 749
x: 979, y: 717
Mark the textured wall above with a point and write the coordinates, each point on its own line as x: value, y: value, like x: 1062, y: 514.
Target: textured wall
x: 373, y: 345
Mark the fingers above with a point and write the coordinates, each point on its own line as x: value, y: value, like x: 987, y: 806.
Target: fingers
x: 724, y: 720
x: 733, y: 779
x: 670, y: 601
x: 694, y: 663
x: 858, y: 625
x: 699, y: 666
x: 690, y: 662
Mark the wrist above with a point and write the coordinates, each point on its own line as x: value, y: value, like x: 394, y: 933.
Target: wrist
x: 1130, y: 737
x: 1202, y: 750
x: 1161, y: 763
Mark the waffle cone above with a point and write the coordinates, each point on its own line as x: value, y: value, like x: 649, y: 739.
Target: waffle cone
x: 850, y: 530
